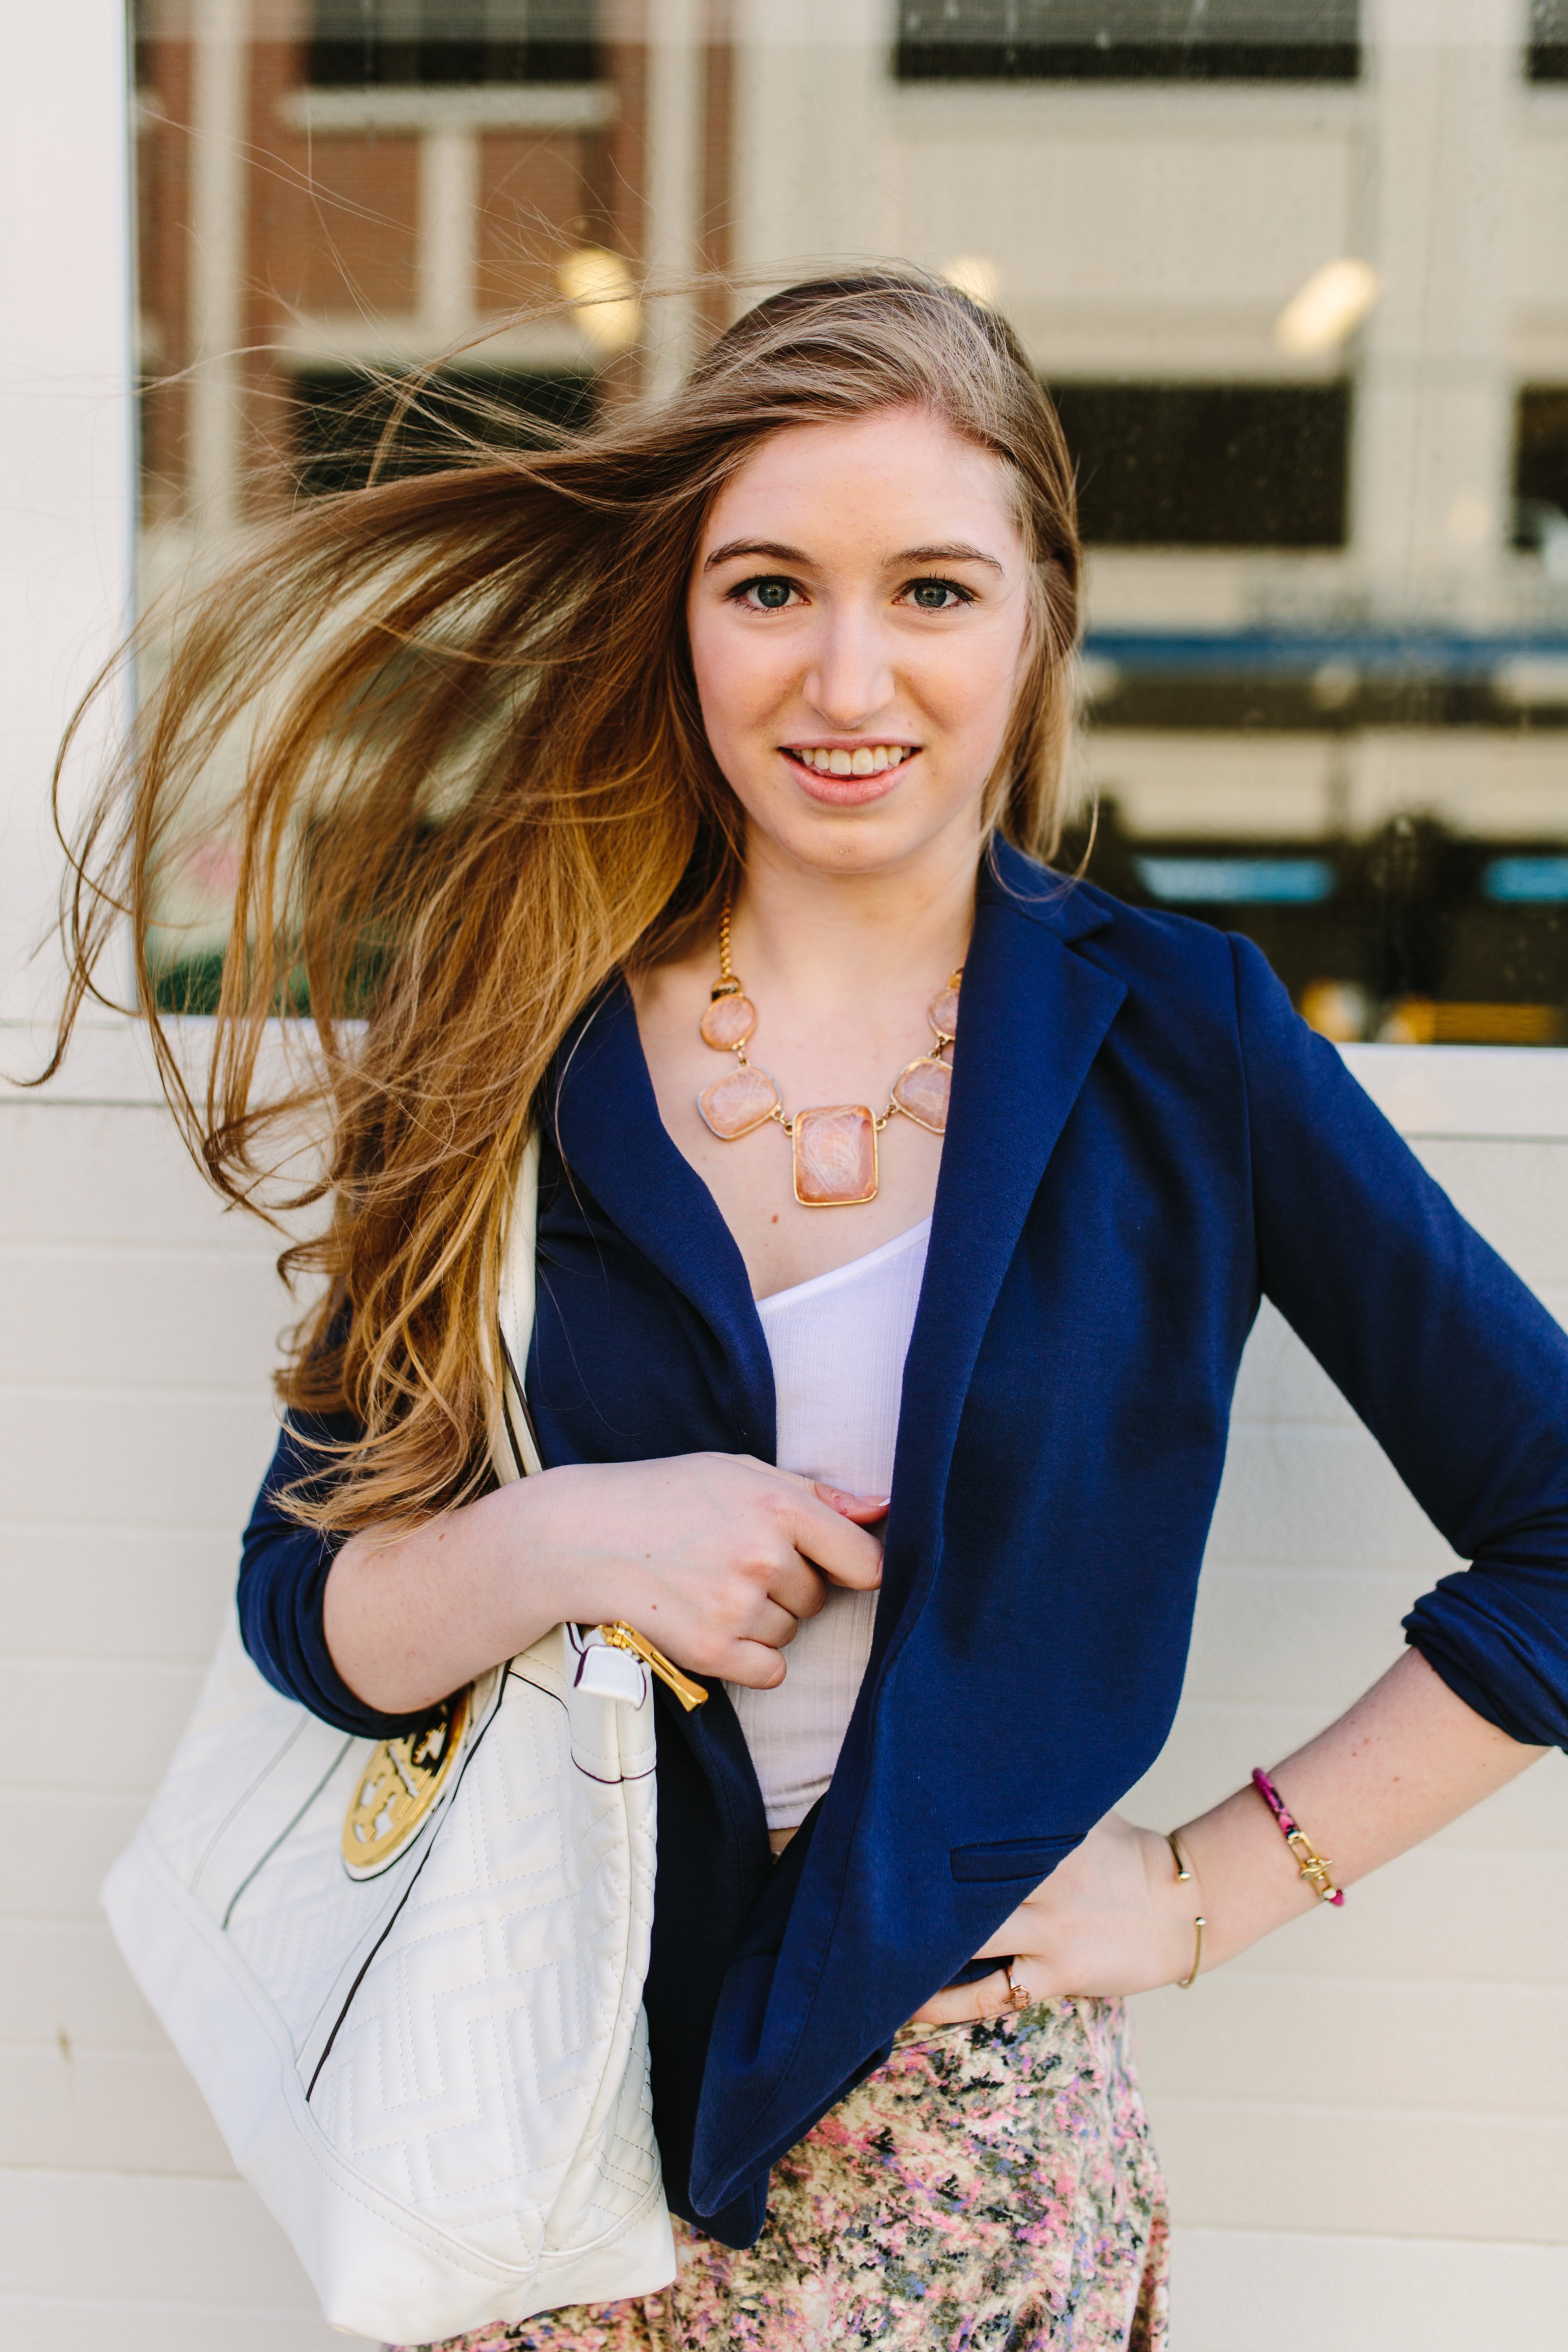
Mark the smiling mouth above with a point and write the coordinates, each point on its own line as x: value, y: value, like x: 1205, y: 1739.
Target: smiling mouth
x: 840, y: 760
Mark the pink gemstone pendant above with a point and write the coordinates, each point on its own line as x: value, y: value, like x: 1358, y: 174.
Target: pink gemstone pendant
x: 734, y: 1104
x: 943, y: 1011
x: 921, y: 1091
x: 729, y: 1021
x: 835, y: 1156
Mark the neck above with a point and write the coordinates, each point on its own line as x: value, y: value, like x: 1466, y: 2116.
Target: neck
x: 826, y: 936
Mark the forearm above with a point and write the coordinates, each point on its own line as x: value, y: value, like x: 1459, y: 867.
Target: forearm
x: 713, y: 1557
x: 411, y: 1618
x: 1408, y: 1757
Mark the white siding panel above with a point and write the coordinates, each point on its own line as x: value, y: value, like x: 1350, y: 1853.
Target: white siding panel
x: 96, y: 2261
x: 1286, y: 2290
x: 106, y: 2110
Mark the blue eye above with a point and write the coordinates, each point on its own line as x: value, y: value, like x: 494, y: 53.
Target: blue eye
x: 771, y: 596
x: 936, y: 596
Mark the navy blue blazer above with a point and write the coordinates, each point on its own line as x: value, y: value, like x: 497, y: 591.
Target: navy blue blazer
x: 1144, y: 1138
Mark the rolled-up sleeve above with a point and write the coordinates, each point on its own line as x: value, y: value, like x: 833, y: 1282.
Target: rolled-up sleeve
x: 1453, y: 1364
x: 283, y: 1572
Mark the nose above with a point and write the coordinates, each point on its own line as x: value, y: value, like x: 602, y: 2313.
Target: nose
x: 851, y: 673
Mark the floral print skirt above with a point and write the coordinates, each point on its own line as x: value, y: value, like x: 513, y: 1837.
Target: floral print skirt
x: 991, y: 2188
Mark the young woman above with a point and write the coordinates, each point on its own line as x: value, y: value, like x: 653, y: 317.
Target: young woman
x: 683, y: 794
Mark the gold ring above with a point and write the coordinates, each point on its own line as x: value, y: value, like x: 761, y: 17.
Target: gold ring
x: 1017, y: 1996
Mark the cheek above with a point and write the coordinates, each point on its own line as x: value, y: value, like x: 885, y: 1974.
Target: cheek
x: 735, y: 673
x: 970, y: 689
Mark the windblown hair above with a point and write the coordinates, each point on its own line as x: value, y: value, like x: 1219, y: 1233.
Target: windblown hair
x: 471, y: 780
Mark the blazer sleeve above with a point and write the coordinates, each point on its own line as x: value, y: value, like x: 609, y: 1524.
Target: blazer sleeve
x: 1450, y: 1360
x: 283, y: 1570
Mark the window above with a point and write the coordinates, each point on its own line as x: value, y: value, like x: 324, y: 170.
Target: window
x: 1541, y: 474
x: 1208, y: 465
x: 364, y: 43
x: 1127, y: 40
x: 341, y: 417
x: 1547, y: 55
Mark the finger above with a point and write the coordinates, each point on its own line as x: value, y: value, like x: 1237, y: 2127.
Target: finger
x: 797, y: 1587
x: 864, y: 1509
x: 755, y: 1666
x: 771, y: 1625
x: 967, y: 2004
x: 845, y: 1553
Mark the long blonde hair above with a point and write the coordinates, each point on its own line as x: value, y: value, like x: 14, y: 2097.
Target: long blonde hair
x: 475, y: 782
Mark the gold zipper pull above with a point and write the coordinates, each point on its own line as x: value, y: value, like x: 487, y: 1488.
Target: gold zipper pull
x: 622, y: 1637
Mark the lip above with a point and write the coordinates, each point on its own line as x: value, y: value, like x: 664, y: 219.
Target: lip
x: 845, y: 792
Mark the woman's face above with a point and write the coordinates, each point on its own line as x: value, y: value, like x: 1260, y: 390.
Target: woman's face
x: 859, y: 618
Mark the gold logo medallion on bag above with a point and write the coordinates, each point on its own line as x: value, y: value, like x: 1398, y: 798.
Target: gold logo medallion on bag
x: 397, y: 1788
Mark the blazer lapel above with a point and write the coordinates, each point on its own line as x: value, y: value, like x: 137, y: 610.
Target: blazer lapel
x: 611, y: 1137
x: 1031, y: 1018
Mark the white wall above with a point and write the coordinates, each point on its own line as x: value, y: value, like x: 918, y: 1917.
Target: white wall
x: 1375, y: 2102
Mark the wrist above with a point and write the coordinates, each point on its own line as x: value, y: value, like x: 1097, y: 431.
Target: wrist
x: 1193, y: 1913
x: 547, y: 1574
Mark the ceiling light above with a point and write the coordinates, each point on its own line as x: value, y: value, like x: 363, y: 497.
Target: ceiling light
x: 1335, y: 299
x: 598, y: 285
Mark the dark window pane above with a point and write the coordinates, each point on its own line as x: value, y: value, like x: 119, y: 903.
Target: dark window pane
x: 1541, y: 475
x: 1127, y: 40
x: 1547, y: 57
x: 340, y: 418
x: 364, y: 44
x: 1428, y: 937
x: 1541, y: 447
x: 1208, y: 465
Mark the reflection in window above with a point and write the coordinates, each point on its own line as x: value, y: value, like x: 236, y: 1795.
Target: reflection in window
x: 361, y: 44
x: 342, y: 418
x: 1429, y: 938
x: 1208, y: 465
x: 1541, y: 475
x: 1127, y: 40
x: 1548, y: 50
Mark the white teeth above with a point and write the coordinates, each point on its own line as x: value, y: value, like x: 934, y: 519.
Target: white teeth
x: 866, y: 760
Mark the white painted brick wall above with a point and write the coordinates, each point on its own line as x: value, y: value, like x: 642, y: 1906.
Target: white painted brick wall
x: 1364, y: 2122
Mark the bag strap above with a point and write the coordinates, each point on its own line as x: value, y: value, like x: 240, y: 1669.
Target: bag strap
x: 514, y: 1446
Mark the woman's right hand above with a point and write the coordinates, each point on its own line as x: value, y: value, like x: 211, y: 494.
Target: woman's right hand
x: 714, y: 1558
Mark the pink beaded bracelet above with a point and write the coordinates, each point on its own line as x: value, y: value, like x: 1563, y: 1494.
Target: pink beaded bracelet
x: 1314, y: 1867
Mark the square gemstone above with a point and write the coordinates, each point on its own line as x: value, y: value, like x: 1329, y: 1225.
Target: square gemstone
x: 835, y: 1156
x: 732, y: 1105
x: 921, y: 1093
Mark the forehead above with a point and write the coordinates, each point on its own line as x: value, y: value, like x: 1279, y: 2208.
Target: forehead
x: 901, y: 477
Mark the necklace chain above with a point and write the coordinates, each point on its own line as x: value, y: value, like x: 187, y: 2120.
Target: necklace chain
x: 728, y: 985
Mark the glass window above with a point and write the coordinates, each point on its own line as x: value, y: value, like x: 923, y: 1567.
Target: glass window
x: 368, y: 44
x: 1127, y: 40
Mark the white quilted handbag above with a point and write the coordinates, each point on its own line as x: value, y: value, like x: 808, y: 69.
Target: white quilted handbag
x: 407, y: 1976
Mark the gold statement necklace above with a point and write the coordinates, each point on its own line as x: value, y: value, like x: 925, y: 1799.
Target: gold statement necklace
x: 834, y: 1144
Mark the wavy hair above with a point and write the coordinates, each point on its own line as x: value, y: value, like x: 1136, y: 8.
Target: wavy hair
x: 466, y: 779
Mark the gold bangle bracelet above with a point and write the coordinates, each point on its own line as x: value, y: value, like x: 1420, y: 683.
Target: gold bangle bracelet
x: 1183, y: 1874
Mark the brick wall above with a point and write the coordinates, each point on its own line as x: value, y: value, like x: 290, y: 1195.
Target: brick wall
x: 1365, y: 2121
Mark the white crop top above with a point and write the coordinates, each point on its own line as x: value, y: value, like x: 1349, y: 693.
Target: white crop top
x: 837, y: 1344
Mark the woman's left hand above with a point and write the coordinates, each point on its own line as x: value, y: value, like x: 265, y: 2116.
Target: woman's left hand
x: 1112, y: 1918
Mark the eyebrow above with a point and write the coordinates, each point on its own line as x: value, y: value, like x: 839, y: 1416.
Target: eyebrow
x: 953, y: 551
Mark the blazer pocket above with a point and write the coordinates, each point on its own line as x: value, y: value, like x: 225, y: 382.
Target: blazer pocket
x: 1031, y: 1858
